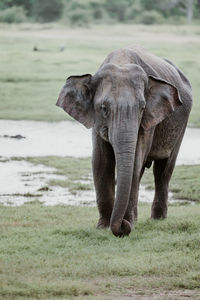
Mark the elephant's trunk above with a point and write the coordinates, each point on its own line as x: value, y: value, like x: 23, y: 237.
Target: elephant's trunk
x: 124, y: 145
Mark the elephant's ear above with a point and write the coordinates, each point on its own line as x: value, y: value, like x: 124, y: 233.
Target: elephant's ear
x: 76, y: 98
x: 161, y: 100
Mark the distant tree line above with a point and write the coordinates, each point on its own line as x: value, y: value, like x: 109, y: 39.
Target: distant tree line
x: 84, y: 12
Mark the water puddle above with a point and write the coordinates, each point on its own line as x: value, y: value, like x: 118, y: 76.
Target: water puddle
x: 64, y: 138
x: 68, y: 138
x: 24, y: 182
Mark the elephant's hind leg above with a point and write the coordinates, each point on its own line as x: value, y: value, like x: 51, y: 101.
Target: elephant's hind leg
x: 163, y: 170
x: 162, y: 175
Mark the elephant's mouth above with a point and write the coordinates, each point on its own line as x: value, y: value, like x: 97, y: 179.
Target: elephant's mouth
x: 104, y: 133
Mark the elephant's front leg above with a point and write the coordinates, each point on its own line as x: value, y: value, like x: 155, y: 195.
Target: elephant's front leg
x: 103, y: 164
x: 143, y: 147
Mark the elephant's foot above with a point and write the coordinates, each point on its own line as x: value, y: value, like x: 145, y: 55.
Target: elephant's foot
x: 103, y: 223
x: 158, y: 211
x: 131, y: 217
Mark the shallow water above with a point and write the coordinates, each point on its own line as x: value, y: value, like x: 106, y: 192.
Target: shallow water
x: 68, y: 138
x: 21, y: 181
x: 64, y: 138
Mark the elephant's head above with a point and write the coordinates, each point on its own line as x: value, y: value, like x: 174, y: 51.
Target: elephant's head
x: 116, y: 101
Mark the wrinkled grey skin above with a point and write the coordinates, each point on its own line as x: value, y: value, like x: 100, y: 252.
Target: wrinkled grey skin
x: 138, y: 106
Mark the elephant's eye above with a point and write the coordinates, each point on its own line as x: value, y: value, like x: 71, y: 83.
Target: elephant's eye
x: 104, y: 110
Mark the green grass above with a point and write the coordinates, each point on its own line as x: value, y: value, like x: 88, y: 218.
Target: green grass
x: 75, y: 170
x: 184, y: 182
x: 56, y: 253
x: 30, y: 81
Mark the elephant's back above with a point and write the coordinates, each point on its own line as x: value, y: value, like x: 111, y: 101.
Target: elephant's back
x: 166, y: 70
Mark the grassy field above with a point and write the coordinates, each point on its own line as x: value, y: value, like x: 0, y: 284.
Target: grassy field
x: 56, y: 253
x: 30, y: 81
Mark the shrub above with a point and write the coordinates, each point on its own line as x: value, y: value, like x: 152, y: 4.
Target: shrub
x: 98, y: 11
x: 79, y: 17
x: 14, y: 14
x: 77, y: 13
x: 134, y: 11
x: 117, y: 9
x: 176, y: 20
x: 26, y: 4
x: 151, y: 17
x: 46, y: 10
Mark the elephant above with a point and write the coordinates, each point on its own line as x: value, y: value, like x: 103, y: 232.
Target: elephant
x: 137, y: 105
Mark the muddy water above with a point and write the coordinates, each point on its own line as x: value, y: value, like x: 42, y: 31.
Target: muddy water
x: 22, y: 181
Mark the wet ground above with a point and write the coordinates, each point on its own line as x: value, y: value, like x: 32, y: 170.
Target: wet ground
x: 23, y: 182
